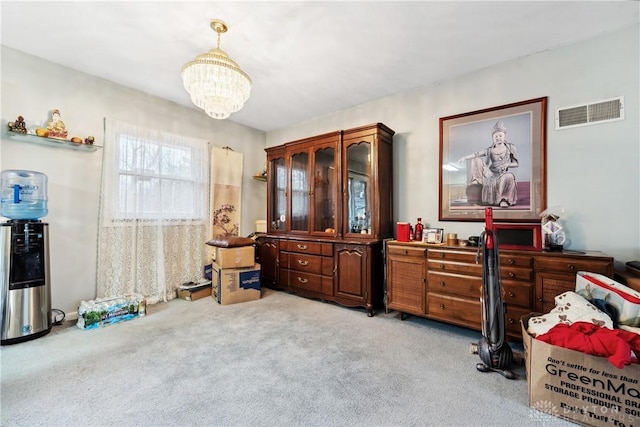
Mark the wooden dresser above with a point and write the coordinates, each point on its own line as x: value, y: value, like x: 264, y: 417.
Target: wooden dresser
x: 443, y: 282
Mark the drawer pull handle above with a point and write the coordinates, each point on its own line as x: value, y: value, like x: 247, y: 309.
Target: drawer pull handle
x: 511, y: 274
x: 571, y: 266
x: 442, y: 266
x: 303, y: 247
x: 511, y: 261
x: 303, y: 262
x: 406, y: 252
x: 442, y: 306
x: 511, y: 321
x: 441, y: 255
x: 511, y: 294
x: 441, y: 283
x: 302, y: 280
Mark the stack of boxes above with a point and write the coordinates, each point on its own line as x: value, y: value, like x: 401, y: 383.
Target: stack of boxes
x: 235, y: 276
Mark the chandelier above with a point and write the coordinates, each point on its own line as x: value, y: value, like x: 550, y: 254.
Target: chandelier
x: 215, y: 82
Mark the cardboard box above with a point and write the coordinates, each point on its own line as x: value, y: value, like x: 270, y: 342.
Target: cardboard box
x: 585, y: 389
x: 195, y: 292
x: 207, y: 271
x: 244, y: 256
x: 234, y: 285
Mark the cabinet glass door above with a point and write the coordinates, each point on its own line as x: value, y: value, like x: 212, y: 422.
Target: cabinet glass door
x: 358, y: 199
x: 278, y: 192
x: 324, y: 191
x: 300, y: 192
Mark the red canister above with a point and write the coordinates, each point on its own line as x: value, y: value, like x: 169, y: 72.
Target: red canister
x: 402, y: 231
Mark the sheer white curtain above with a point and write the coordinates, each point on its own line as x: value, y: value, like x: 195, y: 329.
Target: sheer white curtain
x: 154, y: 212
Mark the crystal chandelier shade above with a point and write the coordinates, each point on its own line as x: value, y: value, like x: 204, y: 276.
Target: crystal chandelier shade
x: 215, y: 82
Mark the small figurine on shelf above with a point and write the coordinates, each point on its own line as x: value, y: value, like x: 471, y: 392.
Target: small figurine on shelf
x: 18, y: 126
x: 89, y: 140
x: 56, y: 126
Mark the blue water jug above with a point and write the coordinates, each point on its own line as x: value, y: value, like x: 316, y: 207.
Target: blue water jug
x: 24, y: 194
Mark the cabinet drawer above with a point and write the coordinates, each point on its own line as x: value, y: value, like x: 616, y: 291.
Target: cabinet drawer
x: 572, y: 265
x: 519, y: 294
x: 449, y: 255
x: 516, y: 273
x: 512, y: 320
x: 469, y: 313
x: 516, y: 260
x: 452, y: 309
x: 453, y: 284
x: 455, y: 267
x: 310, y: 282
x: 407, y: 251
x: 312, y: 248
x: 314, y: 264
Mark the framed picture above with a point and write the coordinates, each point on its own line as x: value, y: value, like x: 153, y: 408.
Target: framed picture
x: 494, y: 157
x: 432, y: 235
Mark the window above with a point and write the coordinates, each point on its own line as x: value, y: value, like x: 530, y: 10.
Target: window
x: 156, y: 176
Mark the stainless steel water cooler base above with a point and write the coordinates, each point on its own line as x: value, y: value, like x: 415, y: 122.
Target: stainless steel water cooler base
x: 28, y: 316
x: 25, y: 294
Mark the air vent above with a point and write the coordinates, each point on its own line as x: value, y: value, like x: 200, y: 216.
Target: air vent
x: 608, y: 110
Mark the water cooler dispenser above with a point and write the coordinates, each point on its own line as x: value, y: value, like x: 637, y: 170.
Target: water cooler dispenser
x: 25, y: 291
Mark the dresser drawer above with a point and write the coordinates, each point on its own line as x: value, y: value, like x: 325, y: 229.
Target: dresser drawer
x: 512, y: 320
x: 454, y: 267
x: 509, y: 260
x: 310, y: 282
x: 453, y: 284
x: 305, y: 247
x: 519, y: 294
x: 453, y: 309
x: 314, y: 264
x: 449, y: 255
x: 419, y: 252
x: 469, y: 313
x: 572, y: 265
x: 516, y: 273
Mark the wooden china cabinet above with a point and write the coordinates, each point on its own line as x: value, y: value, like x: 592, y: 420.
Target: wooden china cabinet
x: 329, y: 207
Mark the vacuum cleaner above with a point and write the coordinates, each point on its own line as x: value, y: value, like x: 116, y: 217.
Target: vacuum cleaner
x: 495, y: 353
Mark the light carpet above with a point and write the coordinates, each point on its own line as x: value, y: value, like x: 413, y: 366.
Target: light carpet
x: 282, y: 360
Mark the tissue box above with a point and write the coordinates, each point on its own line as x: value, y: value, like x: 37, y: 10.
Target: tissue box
x: 234, y: 285
x: 106, y: 311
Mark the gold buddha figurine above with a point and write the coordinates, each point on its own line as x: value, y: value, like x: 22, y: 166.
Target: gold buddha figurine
x: 56, y: 126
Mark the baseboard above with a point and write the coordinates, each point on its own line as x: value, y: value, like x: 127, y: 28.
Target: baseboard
x: 56, y: 316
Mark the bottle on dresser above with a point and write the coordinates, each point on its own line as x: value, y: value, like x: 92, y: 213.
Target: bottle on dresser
x: 418, y: 231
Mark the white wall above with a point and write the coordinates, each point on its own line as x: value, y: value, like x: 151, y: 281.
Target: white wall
x: 592, y: 171
x: 31, y: 87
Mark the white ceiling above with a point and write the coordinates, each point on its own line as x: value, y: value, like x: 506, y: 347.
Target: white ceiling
x: 306, y: 59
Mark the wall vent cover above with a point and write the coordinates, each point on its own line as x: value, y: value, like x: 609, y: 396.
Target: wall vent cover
x: 608, y: 110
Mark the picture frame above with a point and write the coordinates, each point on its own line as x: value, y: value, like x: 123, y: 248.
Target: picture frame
x: 432, y: 235
x: 494, y: 157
